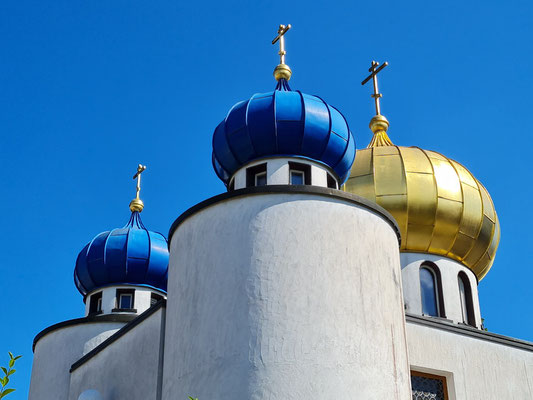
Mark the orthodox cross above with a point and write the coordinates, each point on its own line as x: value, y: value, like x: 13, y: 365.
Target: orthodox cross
x: 281, y: 37
x: 140, y: 169
x: 373, y: 74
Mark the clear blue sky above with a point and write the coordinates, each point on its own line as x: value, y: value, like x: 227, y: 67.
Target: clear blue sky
x: 91, y: 88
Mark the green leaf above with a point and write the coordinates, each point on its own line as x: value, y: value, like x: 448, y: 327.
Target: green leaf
x: 11, y: 372
x: 11, y: 354
x: 7, y: 391
x: 4, y: 369
x: 17, y: 357
x: 11, y: 363
x: 3, y: 381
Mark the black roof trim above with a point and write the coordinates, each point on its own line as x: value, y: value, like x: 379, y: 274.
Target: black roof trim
x: 121, y: 332
x: 87, y: 320
x: 287, y: 189
x: 469, y: 331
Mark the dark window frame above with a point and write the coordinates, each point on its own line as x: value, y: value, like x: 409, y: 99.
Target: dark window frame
x: 434, y: 270
x: 252, y: 172
x: 300, y: 167
x: 470, y: 315
x: 119, y: 293
x: 95, y: 303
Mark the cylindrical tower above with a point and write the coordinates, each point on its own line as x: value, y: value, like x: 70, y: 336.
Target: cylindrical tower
x: 285, y: 291
x: 285, y: 286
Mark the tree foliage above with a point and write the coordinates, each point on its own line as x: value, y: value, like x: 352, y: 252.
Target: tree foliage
x: 4, y: 381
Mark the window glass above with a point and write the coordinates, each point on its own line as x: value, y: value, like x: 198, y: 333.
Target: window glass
x: 428, y: 387
x: 99, y: 305
x: 465, y: 295
x: 125, y: 301
x: 428, y: 289
x: 462, y: 293
x: 297, y: 177
x: 261, y: 179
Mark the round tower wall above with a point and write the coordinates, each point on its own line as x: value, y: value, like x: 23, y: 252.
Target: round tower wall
x: 275, y: 294
x: 57, y: 348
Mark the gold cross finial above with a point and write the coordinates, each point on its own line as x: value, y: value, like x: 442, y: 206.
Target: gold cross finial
x: 374, y: 72
x: 378, y: 124
x: 282, y: 71
x: 137, y: 204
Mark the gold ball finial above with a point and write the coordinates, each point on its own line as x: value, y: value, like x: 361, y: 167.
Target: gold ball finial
x: 282, y: 71
x: 136, y: 205
x: 379, y: 123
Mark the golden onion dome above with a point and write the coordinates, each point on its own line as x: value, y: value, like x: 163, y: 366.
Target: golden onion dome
x: 440, y: 207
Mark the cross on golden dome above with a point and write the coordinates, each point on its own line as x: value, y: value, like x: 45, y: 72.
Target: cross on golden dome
x: 282, y: 71
x: 137, y: 204
x: 374, y: 72
x: 378, y: 124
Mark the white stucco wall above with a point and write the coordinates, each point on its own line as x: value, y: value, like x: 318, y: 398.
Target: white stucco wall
x: 278, y: 172
x: 55, y: 353
x: 277, y: 296
x: 449, y: 270
x: 141, y: 302
x: 126, y: 369
x: 474, y: 368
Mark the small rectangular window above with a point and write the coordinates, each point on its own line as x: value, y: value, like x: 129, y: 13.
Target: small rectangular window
x: 95, y: 305
x: 125, y: 299
x: 256, y: 175
x: 299, y: 174
x: 428, y: 386
x: 297, y: 177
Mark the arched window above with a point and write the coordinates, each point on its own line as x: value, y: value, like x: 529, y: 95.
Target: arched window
x: 465, y: 293
x: 431, y: 290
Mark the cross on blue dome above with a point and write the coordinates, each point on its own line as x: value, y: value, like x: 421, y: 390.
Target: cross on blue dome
x: 283, y: 123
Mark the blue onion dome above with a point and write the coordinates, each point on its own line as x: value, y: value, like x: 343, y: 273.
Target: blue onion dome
x: 132, y: 255
x: 283, y: 123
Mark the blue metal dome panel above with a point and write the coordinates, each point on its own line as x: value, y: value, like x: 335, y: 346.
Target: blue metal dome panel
x: 283, y: 123
x: 131, y: 255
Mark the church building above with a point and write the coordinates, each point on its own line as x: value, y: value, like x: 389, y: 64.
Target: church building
x: 324, y: 272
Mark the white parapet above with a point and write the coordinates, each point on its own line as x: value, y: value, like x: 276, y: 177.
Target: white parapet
x: 285, y: 293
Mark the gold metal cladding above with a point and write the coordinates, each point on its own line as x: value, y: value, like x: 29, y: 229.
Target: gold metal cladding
x: 440, y: 207
x: 282, y: 71
x: 374, y: 70
x: 137, y: 204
